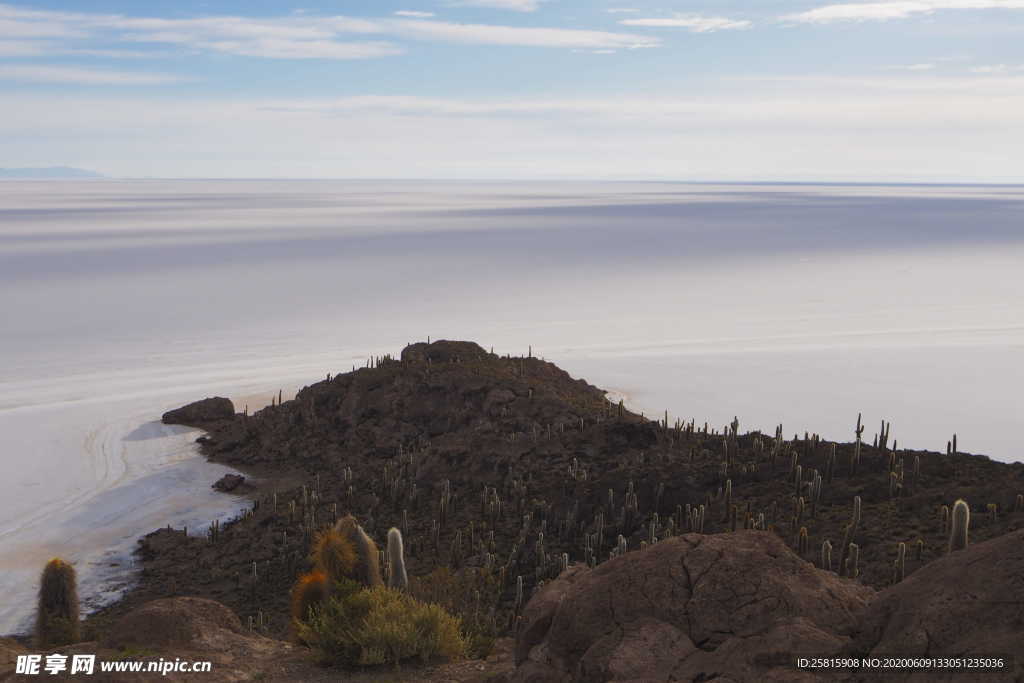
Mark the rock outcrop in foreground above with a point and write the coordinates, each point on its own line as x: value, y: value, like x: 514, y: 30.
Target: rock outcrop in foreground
x: 970, y: 602
x: 742, y: 607
x: 200, y: 412
x: 694, y: 607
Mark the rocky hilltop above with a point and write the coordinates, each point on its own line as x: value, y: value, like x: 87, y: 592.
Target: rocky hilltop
x: 521, y: 481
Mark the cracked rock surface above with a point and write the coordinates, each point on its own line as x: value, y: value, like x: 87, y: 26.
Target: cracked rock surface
x: 734, y: 606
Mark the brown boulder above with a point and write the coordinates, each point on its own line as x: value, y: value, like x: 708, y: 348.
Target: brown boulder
x: 199, y: 630
x: 970, y: 602
x: 735, y: 606
x: 172, y: 622
x: 206, y: 410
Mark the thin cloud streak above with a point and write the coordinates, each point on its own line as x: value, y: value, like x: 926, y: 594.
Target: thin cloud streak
x: 297, y: 37
x: 82, y: 76
x: 899, y: 9
x: 514, y: 5
x: 691, y: 22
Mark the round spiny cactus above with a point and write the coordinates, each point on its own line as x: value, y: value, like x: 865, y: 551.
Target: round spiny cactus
x: 333, y: 554
x: 311, y: 590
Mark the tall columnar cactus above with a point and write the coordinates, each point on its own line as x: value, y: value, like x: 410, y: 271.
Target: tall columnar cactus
x: 802, y: 542
x: 396, y: 560
x: 57, y: 616
x: 728, y: 498
x: 961, y: 520
x: 852, y: 566
x: 944, y: 519
x: 826, y: 556
x: 849, y: 534
x: 815, y: 493
x: 899, y: 570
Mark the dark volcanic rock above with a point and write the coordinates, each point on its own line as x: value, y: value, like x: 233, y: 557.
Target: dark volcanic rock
x: 207, y: 410
x: 695, y: 607
x: 970, y: 602
x: 229, y: 482
x: 443, y: 351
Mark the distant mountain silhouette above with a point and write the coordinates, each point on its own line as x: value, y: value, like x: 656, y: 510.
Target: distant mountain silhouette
x: 48, y: 172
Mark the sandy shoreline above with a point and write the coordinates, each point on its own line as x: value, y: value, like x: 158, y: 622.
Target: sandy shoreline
x: 151, y: 475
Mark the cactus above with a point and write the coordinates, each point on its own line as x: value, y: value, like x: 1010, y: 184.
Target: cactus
x: 367, y: 566
x: 310, y: 591
x: 944, y: 519
x: 815, y: 493
x: 57, y: 617
x: 849, y: 534
x: 728, y: 496
x: 802, y: 541
x: 961, y: 520
x: 826, y: 556
x: 852, y: 568
x: 396, y: 560
x: 333, y: 555
x: 900, y: 567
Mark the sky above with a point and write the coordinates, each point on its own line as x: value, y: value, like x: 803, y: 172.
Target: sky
x: 701, y: 90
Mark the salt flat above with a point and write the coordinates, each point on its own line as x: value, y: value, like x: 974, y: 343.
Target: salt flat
x: 800, y: 304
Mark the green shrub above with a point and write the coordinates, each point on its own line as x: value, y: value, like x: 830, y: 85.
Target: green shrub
x: 473, y: 595
x: 380, y: 625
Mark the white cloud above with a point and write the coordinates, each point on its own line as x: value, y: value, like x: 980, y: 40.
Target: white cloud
x: 487, y: 34
x: 292, y: 37
x: 694, y: 23
x: 48, y: 48
x: 515, y: 5
x: 277, y: 48
x: 16, y: 28
x: 924, y: 66
x: 896, y: 9
x: 81, y: 76
x: 23, y: 48
x: 996, y: 68
x: 622, y: 10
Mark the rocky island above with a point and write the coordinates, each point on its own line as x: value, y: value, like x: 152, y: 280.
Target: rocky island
x: 578, y: 541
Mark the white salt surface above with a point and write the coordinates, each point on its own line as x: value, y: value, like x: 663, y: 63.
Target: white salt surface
x: 795, y: 304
